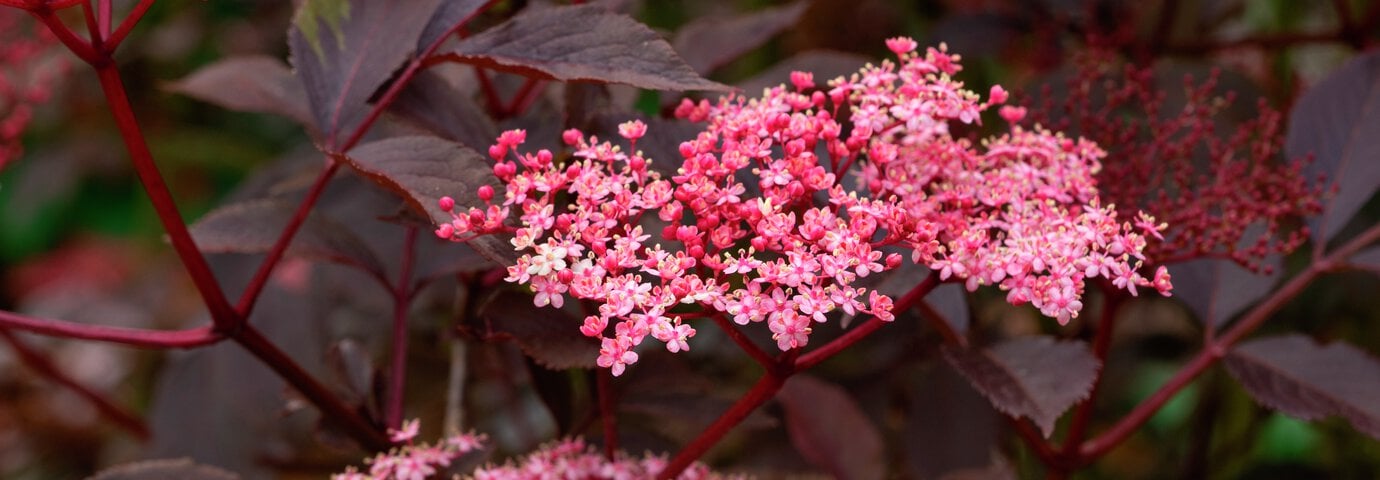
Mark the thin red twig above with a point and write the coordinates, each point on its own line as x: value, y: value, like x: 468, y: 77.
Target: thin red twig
x: 1213, y: 352
x: 860, y: 332
x: 41, y: 364
x: 761, y: 356
x: 245, y: 307
x: 765, y: 388
x: 127, y: 25
x: 1102, y: 340
x: 133, y: 337
x: 370, y: 436
x: 402, y: 300
x: 607, y: 414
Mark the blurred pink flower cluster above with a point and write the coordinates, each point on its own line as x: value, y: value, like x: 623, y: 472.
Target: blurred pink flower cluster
x: 760, y: 221
x: 27, y: 72
x: 414, y: 461
x: 573, y: 459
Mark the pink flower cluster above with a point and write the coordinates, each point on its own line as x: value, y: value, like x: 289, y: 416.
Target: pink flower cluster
x: 414, y: 461
x: 26, y: 77
x: 572, y: 459
x: 760, y: 227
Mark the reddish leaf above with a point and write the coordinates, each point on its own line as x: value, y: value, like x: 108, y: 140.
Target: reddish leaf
x: 582, y: 43
x: 254, y: 226
x: 431, y: 103
x: 446, y: 16
x: 829, y: 429
x: 1217, y: 289
x: 1338, y: 121
x: 253, y: 83
x: 1035, y: 377
x: 172, y: 469
x: 424, y: 169
x: 344, y: 49
x: 548, y: 335
x: 1299, y: 377
x: 708, y: 43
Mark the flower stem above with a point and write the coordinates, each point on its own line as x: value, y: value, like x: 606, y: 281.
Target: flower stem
x: 1102, y: 340
x: 765, y: 388
x: 1214, y: 351
x: 402, y: 299
x: 607, y: 414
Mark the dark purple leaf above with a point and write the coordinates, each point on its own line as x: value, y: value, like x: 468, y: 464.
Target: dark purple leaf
x: 708, y: 43
x: 824, y: 64
x: 548, y: 335
x: 1299, y: 377
x: 1035, y: 377
x: 582, y: 43
x: 343, y: 50
x: 829, y: 429
x: 1337, y: 121
x: 253, y: 227
x: 446, y: 16
x: 431, y: 103
x: 172, y: 469
x: 424, y: 169
x: 252, y: 83
x: 1217, y: 289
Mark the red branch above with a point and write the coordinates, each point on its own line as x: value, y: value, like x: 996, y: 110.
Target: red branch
x: 761, y: 356
x: 134, y: 337
x: 1214, y: 351
x: 871, y: 325
x: 222, y: 314
x: 1102, y: 342
x: 41, y: 364
x: 607, y: 415
x: 402, y: 300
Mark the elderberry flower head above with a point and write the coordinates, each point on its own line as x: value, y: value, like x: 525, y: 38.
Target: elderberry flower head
x: 758, y: 226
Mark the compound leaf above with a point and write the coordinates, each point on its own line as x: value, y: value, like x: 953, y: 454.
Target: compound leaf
x: 582, y: 43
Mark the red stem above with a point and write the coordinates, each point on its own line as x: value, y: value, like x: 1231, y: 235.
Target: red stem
x: 369, y: 435
x: 860, y: 332
x: 134, y: 337
x: 41, y: 364
x: 941, y: 324
x: 103, y: 14
x: 765, y: 388
x: 525, y: 97
x: 1214, y: 351
x: 743, y: 342
x: 402, y: 299
x: 256, y: 284
x: 607, y: 415
x: 127, y: 25
x: 1078, y: 427
x: 93, y: 28
x: 81, y: 48
x: 491, y: 97
x: 222, y: 315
